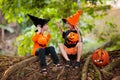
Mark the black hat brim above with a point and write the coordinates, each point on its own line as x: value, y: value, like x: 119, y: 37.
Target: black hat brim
x: 45, y: 21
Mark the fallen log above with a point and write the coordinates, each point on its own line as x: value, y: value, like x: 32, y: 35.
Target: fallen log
x: 17, y: 66
x: 85, y: 68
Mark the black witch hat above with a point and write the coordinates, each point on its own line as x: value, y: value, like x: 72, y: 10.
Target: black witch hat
x: 37, y: 20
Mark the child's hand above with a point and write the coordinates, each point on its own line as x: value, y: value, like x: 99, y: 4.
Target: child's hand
x: 58, y: 24
x: 48, y: 31
x: 39, y: 29
x: 76, y: 28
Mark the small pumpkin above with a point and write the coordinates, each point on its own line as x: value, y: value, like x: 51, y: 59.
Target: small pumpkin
x: 100, y: 57
x: 73, y: 37
x: 42, y: 40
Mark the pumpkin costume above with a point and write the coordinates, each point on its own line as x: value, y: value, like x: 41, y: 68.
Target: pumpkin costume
x: 71, y: 36
x: 70, y: 40
x: 41, y: 40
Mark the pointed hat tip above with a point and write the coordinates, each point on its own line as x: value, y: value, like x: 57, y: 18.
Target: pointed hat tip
x: 80, y: 11
x: 29, y: 15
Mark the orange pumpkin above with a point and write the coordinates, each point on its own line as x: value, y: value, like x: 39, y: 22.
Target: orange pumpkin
x: 100, y: 57
x: 73, y: 37
x: 42, y: 40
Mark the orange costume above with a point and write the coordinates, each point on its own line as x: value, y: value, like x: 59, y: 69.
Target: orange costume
x: 71, y: 36
x: 40, y: 41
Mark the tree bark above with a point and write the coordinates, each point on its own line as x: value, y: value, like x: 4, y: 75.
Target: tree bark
x: 116, y: 78
x: 85, y: 68
x: 99, y: 73
x: 111, y: 66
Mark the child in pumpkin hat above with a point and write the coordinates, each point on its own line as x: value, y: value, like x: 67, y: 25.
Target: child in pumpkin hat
x: 41, y: 40
x: 72, y: 47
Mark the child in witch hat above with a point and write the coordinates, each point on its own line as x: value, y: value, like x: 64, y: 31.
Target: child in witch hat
x: 72, y: 47
x: 41, y: 40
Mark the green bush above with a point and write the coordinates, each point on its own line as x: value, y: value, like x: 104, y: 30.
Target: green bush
x: 24, y: 41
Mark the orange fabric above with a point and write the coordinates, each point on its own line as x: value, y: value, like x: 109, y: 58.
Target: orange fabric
x: 73, y: 20
x: 40, y: 39
x: 70, y: 51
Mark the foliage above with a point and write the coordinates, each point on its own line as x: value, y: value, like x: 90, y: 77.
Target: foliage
x: 116, y: 42
x: 17, y: 10
x: 24, y: 42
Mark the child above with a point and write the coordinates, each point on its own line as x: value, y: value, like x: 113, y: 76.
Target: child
x: 41, y: 40
x: 72, y: 47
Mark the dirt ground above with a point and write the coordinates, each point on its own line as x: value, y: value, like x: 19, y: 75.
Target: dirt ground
x: 32, y: 70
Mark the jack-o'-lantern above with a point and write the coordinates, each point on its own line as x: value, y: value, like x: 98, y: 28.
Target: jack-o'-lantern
x: 100, y: 57
x: 73, y: 37
x: 42, y: 41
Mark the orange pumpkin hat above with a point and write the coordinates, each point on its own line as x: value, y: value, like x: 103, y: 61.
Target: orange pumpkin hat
x: 73, y: 19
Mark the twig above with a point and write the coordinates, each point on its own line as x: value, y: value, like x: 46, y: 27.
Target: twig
x: 59, y: 75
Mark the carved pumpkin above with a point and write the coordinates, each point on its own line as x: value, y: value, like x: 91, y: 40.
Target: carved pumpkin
x: 73, y: 37
x: 100, y: 57
x: 42, y: 40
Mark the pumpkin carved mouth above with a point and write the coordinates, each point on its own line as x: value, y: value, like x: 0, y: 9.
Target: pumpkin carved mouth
x: 100, y: 61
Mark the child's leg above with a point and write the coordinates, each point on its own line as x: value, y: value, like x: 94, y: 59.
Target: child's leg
x: 64, y: 54
x: 41, y: 53
x: 52, y: 51
x: 79, y: 47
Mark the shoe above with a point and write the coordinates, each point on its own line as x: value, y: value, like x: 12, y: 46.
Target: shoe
x: 59, y: 65
x: 68, y: 64
x: 44, y: 71
x: 77, y: 64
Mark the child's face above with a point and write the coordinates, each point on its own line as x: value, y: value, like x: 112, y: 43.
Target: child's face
x: 45, y: 27
x: 68, y: 25
x: 39, y: 27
